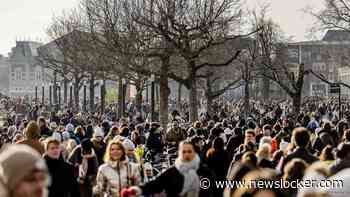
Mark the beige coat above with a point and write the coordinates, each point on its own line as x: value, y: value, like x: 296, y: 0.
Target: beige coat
x: 112, y: 177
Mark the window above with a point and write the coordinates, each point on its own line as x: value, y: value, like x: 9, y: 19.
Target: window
x: 32, y: 76
x: 23, y: 76
x: 18, y: 75
x: 13, y: 76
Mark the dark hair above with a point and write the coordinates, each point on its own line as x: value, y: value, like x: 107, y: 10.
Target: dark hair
x: 343, y: 150
x: 250, y: 131
x: 124, y: 131
x: 267, y: 126
x: 218, y: 143
x: 301, y: 137
x: 294, y: 170
x: 346, y: 136
x: 250, y: 158
x: 327, y: 154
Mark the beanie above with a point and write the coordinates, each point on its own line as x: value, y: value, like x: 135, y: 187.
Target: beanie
x: 69, y: 127
x: 128, y: 144
x: 57, y: 136
x: 65, y: 136
x: 18, y: 161
x: 98, y: 132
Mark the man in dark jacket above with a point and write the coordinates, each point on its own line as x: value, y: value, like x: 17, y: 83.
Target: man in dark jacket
x: 62, y: 176
x: 301, y: 140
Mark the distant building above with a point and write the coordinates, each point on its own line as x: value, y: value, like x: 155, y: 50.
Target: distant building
x: 325, y: 57
x: 25, y: 72
x: 4, y: 75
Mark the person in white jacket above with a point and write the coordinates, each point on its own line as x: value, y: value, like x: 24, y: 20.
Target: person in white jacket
x: 117, y: 173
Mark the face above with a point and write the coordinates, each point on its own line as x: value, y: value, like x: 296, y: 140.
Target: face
x: 249, y: 138
x: 33, y: 185
x: 267, y: 132
x: 188, y: 153
x: 41, y: 123
x: 116, y: 152
x: 54, y: 151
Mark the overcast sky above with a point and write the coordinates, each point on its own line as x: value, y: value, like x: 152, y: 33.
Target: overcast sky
x: 27, y: 19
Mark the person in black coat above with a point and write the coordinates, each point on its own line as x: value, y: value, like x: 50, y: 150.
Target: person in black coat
x: 301, y: 140
x: 180, y: 180
x: 63, y: 183
x: 234, y: 141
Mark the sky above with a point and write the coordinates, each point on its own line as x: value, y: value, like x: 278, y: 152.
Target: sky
x: 28, y: 19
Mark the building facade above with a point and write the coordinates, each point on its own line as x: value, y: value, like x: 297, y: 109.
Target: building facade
x: 25, y: 72
x: 324, y: 57
x: 4, y: 75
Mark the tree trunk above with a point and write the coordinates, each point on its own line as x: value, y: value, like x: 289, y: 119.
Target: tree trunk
x: 76, y: 95
x: 120, y: 97
x: 65, y: 91
x: 193, y: 96
x: 164, y: 93
x: 296, y: 99
x: 103, y: 95
x: 246, y: 98
x: 92, y: 93
x: 266, y: 88
x: 179, y: 95
x: 138, y: 97
x: 209, y: 97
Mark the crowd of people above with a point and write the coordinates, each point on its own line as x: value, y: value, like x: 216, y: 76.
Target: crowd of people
x: 71, y: 154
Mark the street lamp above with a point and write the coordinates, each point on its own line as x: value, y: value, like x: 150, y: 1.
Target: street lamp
x: 59, y: 96
x: 84, y: 99
x: 153, y: 78
x: 36, y: 93
x: 50, y: 94
x: 70, y: 95
x: 43, y: 94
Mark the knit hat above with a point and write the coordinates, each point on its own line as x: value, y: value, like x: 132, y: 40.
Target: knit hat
x: 53, y: 126
x: 128, y: 144
x: 98, y: 132
x: 65, y: 136
x: 18, y: 161
x: 69, y: 127
x: 57, y: 136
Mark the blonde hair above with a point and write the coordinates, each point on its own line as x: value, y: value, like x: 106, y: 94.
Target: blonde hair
x: 264, y: 151
x: 107, y: 156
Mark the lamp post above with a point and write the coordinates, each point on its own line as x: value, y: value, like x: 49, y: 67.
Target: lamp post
x: 102, y: 91
x: 152, y: 97
x: 50, y: 95
x: 36, y: 93
x: 84, y: 99
x: 70, y: 95
x: 124, y: 96
x: 59, y: 97
x: 43, y: 94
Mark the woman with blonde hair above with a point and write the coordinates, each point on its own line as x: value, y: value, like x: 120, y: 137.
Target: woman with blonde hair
x: 117, y: 173
x: 264, y: 156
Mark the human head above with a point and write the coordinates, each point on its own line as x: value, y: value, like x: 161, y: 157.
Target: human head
x: 343, y: 151
x: 264, y: 152
x: 24, y: 172
x: 98, y: 134
x: 249, y: 136
x: 300, y: 137
x: 41, y: 121
x: 267, y: 130
x: 52, y: 148
x: 32, y: 131
x: 115, y: 151
x: 294, y: 170
x: 186, y: 151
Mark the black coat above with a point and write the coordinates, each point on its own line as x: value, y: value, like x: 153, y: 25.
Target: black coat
x: 63, y: 183
x: 264, y: 163
x: 300, y: 153
x: 171, y: 181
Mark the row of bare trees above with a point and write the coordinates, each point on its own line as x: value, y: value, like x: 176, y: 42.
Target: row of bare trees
x: 183, y: 40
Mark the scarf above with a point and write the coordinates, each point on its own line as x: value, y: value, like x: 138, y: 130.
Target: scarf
x: 191, y: 179
x: 83, y: 167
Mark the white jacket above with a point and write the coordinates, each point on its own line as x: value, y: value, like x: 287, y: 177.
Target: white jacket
x: 114, y: 176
